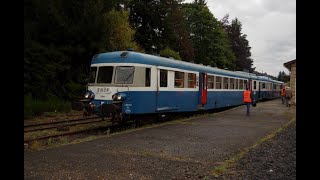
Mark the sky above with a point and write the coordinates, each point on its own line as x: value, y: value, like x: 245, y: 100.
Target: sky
x: 270, y: 26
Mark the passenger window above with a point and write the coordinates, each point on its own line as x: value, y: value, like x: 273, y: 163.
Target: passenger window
x: 236, y: 84
x: 226, y: 83
x: 218, y: 82
x: 255, y: 85
x: 210, y: 82
x: 178, y: 79
x: 163, y: 78
x: 191, y: 80
x: 245, y: 82
x: 231, y: 83
x: 240, y: 84
x: 148, y: 77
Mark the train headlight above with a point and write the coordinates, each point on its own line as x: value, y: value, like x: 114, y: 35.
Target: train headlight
x: 119, y: 97
x: 89, y: 95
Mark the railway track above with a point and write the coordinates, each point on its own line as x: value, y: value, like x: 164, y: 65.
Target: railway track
x: 109, y: 127
x: 52, y: 125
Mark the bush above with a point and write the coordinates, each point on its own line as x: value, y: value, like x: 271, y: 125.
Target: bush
x: 36, y: 107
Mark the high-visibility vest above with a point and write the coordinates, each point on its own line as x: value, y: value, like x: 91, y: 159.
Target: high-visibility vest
x: 247, y: 96
x: 283, y: 92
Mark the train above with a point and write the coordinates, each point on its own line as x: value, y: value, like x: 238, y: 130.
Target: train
x: 126, y: 84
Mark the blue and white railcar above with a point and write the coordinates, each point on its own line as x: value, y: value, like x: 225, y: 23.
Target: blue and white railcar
x: 127, y: 83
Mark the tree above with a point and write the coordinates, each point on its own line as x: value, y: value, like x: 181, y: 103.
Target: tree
x: 120, y: 34
x: 147, y: 17
x: 239, y: 44
x: 60, y: 39
x: 282, y: 76
x: 210, y: 42
x: 176, y: 31
x: 167, y: 52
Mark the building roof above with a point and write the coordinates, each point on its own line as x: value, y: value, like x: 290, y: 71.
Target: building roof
x: 289, y: 64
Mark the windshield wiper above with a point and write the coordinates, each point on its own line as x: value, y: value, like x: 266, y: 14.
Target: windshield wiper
x: 129, y: 76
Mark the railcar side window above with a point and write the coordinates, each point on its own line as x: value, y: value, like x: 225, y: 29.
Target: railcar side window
x: 210, y: 82
x: 240, y: 84
x: 263, y: 85
x: 148, y: 77
x: 163, y: 78
x: 231, y: 83
x: 245, y: 82
x: 93, y: 73
x: 178, y: 79
x: 226, y: 83
x: 191, y: 80
x: 236, y: 83
x: 124, y: 75
x: 218, y: 82
x: 254, y: 85
x: 105, y: 74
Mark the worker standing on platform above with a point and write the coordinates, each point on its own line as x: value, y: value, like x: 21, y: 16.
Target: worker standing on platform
x: 247, y: 99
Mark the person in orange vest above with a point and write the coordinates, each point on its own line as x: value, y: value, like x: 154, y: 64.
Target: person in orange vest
x: 247, y: 99
x: 283, y: 95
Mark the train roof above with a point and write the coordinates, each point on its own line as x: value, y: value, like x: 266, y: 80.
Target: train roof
x: 141, y: 58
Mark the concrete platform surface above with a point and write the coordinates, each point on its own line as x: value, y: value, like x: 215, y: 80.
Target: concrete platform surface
x: 187, y: 149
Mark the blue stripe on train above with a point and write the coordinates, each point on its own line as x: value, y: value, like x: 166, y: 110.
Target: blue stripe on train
x: 141, y: 102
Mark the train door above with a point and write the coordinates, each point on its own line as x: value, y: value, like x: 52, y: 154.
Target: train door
x: 203, y: 88
x: 259, y: 90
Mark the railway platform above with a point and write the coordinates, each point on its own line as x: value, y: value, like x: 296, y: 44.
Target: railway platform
x: 180, y: 149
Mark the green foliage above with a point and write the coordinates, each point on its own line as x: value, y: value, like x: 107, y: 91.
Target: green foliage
x: 211, y: 43
x: 167, y: 52
x: 282, y: 76
x: 37, y: 107
x: 239, y: 44
x: 120, y: 34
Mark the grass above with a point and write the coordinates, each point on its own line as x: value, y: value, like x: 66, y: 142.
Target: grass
x: 223, y: 167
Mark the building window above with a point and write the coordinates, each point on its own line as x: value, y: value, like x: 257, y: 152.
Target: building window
x: 178, y: 79
x: 163, y: 78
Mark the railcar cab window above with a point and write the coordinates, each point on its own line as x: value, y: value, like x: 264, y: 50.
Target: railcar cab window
x: 178, y: 79
x: 93, y: 73
x: 163, y: 78
x: 124, y: 75
x: 191, y: 80
x: 105, y: 74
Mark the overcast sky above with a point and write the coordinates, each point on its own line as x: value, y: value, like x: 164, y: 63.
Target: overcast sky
x: 270, y: 26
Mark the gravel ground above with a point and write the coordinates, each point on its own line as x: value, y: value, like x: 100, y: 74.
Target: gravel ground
x: 274, y: 159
